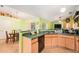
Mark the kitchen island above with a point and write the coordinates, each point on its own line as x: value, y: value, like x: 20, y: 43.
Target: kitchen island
x: 33, y: 43
x: 36, y: 43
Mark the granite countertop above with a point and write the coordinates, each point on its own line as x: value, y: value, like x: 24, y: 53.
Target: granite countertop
x: 30, y: 36
x: 68, y: 34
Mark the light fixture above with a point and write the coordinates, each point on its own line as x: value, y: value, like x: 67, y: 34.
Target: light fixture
x: 62, y: 10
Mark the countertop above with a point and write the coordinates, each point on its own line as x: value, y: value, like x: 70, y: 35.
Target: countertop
x: 34, y: 35
x: 30, y: 36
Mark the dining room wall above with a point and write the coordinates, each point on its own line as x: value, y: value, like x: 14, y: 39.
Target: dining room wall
x: 9, y: 24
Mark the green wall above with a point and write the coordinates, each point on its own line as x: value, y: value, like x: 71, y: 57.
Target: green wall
x: 71, y: 22
x: 42, y: 21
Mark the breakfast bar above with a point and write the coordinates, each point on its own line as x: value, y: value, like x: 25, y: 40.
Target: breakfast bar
x: 33, y: 43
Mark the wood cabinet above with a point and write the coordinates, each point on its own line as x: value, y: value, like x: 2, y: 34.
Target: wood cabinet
x: 51, y: 40
x: 37, y: 44
x: 61, y: 41
x: 34, y: 45
x: 48, y: 41
x: 77, y: 44
x: 70, y: 42
x: 26, y: 45
x: 30, y: 45
x: 54, y: 40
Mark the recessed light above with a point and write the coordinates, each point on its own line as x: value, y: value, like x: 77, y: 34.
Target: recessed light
x: 62, y: 10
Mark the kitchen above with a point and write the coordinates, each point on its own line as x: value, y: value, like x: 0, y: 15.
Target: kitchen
x: 42, y: 29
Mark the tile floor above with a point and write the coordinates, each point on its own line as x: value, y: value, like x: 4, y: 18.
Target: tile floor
x: 8, y: 48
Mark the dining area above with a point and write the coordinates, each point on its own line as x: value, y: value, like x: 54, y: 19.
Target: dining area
x: 10, y: 44
x: 9, y: 34
x: 12, y: 36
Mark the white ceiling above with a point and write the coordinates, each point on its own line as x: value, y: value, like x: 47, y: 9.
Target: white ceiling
x: 49, y: 12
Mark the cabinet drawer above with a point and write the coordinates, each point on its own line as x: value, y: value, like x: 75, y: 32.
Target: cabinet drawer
x: 34, y: 40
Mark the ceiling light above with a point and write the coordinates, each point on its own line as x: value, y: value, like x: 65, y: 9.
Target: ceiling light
x: 63, y: 10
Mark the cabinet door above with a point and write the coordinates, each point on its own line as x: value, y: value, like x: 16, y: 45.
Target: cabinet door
x: 77, y: 44
x: 70, y: 42
x: 61, y: 41
x: 54, y: 40
x: 26, y: 45
x: 34, y: 47
x: 48, y: 41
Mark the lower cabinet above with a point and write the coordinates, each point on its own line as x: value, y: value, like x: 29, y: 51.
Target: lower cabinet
x: 37, y: 44
x: 30, y: 46
x: 48, y: 41
x: 77, y: 44
x: 34, y: 44
x: 54, y: 40
x: 70, y: 42
x: 61, y: 41
x: 58, y: 40
x: 26, y: 45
